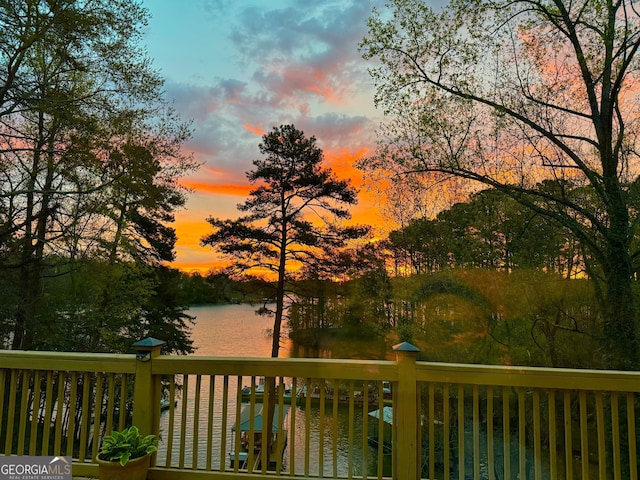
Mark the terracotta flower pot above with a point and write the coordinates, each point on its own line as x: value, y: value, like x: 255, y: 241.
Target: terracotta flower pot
x: 135, y: 469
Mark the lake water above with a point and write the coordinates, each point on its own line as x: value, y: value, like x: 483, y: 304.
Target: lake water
x: 233, y: 331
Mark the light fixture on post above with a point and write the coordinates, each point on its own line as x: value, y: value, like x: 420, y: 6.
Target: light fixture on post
x: 144, y: 348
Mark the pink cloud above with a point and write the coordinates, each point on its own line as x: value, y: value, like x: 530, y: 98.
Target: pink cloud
x: 312, y: 81
x: 303, y: 79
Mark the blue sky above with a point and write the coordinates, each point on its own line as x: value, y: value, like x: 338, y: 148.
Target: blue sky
x: 239, y: 68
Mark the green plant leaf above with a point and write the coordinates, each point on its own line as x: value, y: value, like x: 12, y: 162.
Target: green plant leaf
x: 127, y: 444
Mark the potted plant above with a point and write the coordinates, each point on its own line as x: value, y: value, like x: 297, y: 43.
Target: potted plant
x: 126, y: 455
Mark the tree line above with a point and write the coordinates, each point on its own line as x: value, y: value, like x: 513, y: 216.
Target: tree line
x: 508, y: 95
x: 491, y: 230
x: 523, y: 317
x: 485, y: 281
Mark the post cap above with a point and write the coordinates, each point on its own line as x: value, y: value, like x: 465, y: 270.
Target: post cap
x: 405, y: 347
x: 148, y: 344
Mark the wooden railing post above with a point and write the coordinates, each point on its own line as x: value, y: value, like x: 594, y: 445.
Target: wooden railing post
x: 406, y: 416
x: 146, y: 389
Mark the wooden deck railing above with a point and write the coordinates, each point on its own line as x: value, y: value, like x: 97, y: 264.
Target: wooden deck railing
x: 340, y: 420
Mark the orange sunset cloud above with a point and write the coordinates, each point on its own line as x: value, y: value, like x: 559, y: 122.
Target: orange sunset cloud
x: 224, y: 189
x: 342, y: 163
x: 191, y: 225
x: 256, y: 130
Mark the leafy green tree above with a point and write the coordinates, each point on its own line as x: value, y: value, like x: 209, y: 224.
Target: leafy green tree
x: 138, y: 203
x: 95, y: 306
x: 26, y: 25
x: 491, y: 230
x: 278, y: 234
x: 510, y: 93
x: 163, y: 314
x: 358, y: 304
x: 89, y: 151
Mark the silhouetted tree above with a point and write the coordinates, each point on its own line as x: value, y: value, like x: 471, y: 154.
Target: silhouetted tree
x: 281, y: 230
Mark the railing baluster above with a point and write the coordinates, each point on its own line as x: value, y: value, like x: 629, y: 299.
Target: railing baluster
x: 292, y: 443
x: 171, y: 422
x: 22, y: 414
x: 447, y: 438
x: 584, y: 435
x: 48, y: 407
x: 394, y: 430
x: 615, y: 433
x: 351, y: 427
x: 536, y: 436
x: 369, y: 391
x: 282, y: 431
x: 307, y: 425
x: 224, y: 422
x: 631, y: 434
x: 210, y: 417
x: 35, y: 412
x: 3, y: 381
x: 461, y: 414
x: 321, y: 430
x: 252, y: 412
x: 602, y: 459
x: 334, y: 429
x: 280, y: 439
x: 85, y: 417
x: 122, y: 420
x: 522, y: 446
x: 71, y: 412
x: 476, y: 432
x: 8, y: 447
x: 110, y: 400
x: 196, y: 422
x: 568, y: 448
x: 251, y: 447
x: 490, y: 439
x: 553, y: 457
x: 97, y: 412
x: 264, y: 452
x: 59, y: 413
x: 183, y: 419
x: 506, y: 433
x: 431, y: 431
x: 381, y: 439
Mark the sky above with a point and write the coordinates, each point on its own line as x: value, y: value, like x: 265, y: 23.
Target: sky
x: 238, y: 68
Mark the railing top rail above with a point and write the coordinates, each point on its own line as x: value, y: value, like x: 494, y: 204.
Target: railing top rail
x: 533, y: 377
x: 512, y: 376
x: 67, y: 361
x: 284, y: 367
